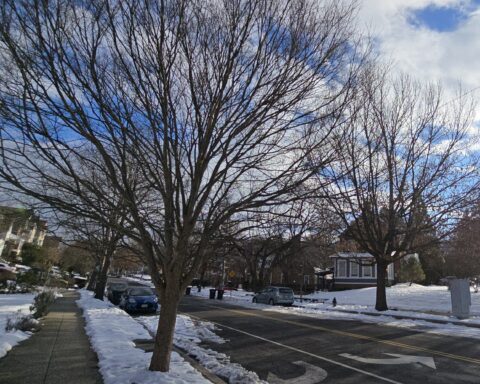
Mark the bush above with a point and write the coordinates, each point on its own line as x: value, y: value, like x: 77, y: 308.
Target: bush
x: 28, y: 279
x: 57, y: 283
x: 24, y: 324
x: 411, y: 271
x: 41, y: 303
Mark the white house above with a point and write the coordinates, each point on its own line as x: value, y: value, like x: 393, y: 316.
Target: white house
x: 356, y: 270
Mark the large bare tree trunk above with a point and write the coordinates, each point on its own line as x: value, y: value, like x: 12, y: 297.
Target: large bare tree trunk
x: 166, y: 327
x: 101, y: 282
x: 93, y: 279
x: 92, y: 282
x: 381, y: 299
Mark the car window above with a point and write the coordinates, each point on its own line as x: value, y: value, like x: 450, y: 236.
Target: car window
x: 141, y: 292
x: 285, y: 290
x: 118, y: 287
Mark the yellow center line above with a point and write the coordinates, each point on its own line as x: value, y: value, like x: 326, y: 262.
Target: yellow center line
x: 354, y: 335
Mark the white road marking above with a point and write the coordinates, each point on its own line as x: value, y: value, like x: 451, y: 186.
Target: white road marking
x: 303, y: 352
x: 399, y: 359
x: 312, y: 375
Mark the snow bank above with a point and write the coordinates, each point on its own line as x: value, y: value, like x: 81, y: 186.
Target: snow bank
x: 112, y: 332
x: 13, y: 307
x: 189, y: 334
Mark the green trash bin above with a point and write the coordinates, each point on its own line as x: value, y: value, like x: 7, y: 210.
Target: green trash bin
x: 220, y: 294
x: 188, y: 290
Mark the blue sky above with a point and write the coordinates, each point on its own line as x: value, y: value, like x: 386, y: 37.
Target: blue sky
x: 443, y: 18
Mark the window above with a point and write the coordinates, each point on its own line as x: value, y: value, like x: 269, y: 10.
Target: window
x: 354, y: 267
x: 306, y: 279
x: 341, y: 268
x: 367, y: 271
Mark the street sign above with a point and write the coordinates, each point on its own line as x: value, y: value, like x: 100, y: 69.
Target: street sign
x: 231, y: 274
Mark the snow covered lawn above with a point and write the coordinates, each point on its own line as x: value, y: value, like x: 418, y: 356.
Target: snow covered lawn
x: 11, y: 307
x: 400, y: 296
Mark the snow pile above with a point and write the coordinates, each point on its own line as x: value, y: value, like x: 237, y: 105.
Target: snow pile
x: 189, y: 334
x: 13, y: 307
x: 112, y: 333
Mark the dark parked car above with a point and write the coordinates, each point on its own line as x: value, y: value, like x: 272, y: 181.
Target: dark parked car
x: 115, y: 292
x: 139, y: 299
x: 274, y: 296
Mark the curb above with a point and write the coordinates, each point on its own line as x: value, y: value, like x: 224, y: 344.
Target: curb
x: 406, y: 317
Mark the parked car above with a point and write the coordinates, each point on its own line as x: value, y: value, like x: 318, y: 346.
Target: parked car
x: 139, y: 299
x: 7, y: 272
x: 274, y: 296
x: 115, y: 291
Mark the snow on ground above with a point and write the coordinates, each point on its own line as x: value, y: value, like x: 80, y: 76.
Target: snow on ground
x: 400, y: 296
x: 13, y: 306
x: 189, y: 334
x: 112, y: 332
x: 410, y: 301
x: 435, y: 299
x: 229, y: 295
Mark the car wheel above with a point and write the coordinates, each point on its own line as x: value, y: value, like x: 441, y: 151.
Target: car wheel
x: 254, y: 300
x: 271, y: 302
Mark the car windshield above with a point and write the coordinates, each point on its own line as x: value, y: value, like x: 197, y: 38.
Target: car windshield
x: 285, y: 290
x: 141, y: 292
x: 118, y: 287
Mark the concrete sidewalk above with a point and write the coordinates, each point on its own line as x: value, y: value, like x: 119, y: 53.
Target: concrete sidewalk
x: 59, y: 353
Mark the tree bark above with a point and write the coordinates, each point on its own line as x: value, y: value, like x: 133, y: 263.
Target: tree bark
x: 165, y: 331
x: 101, y: 281
x: 381, y: 299
x: 92, y: 282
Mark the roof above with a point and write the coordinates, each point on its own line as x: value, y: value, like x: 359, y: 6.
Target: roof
x: 352, y: 255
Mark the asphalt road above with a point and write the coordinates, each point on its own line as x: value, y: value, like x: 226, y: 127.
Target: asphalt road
x: 283, y: 348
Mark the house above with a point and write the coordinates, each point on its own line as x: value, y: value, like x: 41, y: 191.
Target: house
x: 356, y: 270
x: 17, y: 227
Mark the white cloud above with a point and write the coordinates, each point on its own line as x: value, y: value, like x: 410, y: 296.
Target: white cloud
x: 450, y: 57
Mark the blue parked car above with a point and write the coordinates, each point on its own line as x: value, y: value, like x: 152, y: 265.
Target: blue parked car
x: 139, y: 299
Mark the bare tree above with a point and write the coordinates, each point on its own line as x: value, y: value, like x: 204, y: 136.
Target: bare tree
x: 198, y: 110
x: 266, y: 239
x: 462, y: 256
x: 403, y: 157
x: 100, y: 240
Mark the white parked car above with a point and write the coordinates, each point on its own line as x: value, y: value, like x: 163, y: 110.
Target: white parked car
x: 274, y: 296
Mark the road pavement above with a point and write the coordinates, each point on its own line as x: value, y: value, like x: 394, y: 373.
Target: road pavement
x: 284, y: 348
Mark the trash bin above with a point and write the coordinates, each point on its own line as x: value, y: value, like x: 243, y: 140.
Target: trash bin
x: 199, y: 287
x: 188, y: 290
x: 461, y: 299
x: 212, y: 293
x: 220, y: 294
